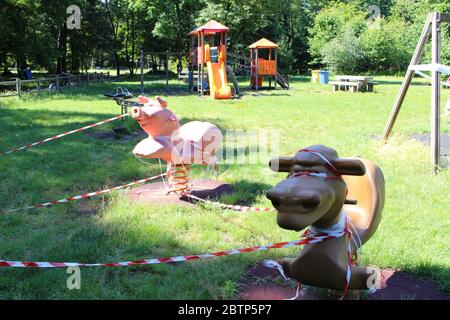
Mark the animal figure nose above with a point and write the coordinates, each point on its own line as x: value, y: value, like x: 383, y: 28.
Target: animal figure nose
x: 305, y: 200
x: 275, y: 197
x: 136, y: 112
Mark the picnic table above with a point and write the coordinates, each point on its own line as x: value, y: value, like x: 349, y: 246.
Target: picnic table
x: 355, y: 83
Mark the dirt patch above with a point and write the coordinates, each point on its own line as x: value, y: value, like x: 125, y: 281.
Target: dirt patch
x: 262, y: 283
x: 86, y: 209
x: 110, y: 135
x: 156, y: 193
x: 425, y: 139
x: 102, y: 134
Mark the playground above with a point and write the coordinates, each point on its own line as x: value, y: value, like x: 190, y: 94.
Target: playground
x: 111, y: 228
x: 187, y: 155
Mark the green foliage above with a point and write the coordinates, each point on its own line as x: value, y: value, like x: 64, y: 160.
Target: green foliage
x: 344, y: 54
x: 311, y: 33
x: 342, y: 39
x: 338, y: 20
x: 388, y: 50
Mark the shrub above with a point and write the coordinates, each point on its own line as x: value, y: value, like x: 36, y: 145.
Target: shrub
x: 344, y: 54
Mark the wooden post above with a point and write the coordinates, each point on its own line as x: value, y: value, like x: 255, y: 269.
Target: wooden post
x: 435, y: 93
x: 276, y: 66
x: 198, y: 63
x: 252, y: 64
x: 202, y: 64
x: 226, y: 48
x: 57, y: 82
x: 18, y: 87
x: 270, y: 77
x: 408, y: 77
x: 256, y: 69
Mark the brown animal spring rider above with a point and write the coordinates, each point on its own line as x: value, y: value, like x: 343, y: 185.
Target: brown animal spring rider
x: 341, y: 200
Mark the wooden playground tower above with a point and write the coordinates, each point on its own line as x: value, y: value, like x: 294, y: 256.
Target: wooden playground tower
x: 432, y: 27
x: 265, y: 66
x: 204, y: 51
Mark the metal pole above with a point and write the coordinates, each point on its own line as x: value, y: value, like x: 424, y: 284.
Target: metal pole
x: 142, y: 70
x: 435, y: 93
x: 167, y: 70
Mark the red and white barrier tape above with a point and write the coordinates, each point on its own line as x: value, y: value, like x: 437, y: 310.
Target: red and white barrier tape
x: 315, y: 236
x: 63, y: 134
x: 89, y: 195
x: 230, y: 206
x: 28, y: 264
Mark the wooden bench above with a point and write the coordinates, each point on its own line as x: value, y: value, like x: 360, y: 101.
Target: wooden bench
x: 370, y: 86
x: 355, y: 86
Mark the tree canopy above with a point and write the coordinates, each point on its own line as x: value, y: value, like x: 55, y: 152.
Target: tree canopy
x: 311, y: 33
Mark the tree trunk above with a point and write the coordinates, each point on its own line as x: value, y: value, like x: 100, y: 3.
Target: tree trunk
x: 62, y: 46
x: 115, y: 42
x: 133, y: 43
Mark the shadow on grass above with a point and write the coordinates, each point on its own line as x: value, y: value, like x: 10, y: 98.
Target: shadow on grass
x: 78, y: 164
x: 16, y: 124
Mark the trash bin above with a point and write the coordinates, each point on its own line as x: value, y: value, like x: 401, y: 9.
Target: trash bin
x: 26, y: 74
x: 315, y: 76
x: 324, y: 76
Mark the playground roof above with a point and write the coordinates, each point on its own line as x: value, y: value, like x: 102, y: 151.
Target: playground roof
x: 211, y: 27
x: 263, y: 44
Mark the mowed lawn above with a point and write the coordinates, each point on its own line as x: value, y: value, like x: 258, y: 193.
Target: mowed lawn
x: 414, y: 234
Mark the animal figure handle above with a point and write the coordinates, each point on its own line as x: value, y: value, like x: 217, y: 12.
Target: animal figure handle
x: 345, y: 166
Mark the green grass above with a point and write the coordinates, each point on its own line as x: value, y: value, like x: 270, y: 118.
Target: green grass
x: 414, y: 234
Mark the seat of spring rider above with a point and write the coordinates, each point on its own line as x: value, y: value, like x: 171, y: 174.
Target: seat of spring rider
x: 368, y: 191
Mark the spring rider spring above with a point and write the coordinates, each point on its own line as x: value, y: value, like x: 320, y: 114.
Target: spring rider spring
x: 332, y: 196
x: 195, y: 142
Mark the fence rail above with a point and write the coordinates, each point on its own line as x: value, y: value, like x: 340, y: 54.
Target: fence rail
x: 18, y: 87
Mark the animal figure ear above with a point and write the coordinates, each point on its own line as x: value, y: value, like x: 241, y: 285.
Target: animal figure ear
x: 350, y: 167
x: 162, y: 103
x: 281, y: 164
x: 144, y: 100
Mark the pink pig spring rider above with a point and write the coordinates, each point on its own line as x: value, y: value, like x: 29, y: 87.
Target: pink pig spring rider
x: 195, y: 142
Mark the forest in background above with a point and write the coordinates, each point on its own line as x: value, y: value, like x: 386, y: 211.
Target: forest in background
x: 339, y: 35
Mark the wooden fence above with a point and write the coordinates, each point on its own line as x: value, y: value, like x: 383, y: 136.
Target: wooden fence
x: 18, y: 87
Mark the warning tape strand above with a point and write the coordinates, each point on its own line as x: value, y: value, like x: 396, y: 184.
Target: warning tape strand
x: 63, y: 134
x: 280, y: 245
x: 88, y: 195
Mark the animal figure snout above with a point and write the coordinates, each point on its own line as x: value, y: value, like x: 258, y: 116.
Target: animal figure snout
x: 301, y: 201
x: 136, y: 113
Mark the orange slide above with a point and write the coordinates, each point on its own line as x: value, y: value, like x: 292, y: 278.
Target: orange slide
x: 218, y: 84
